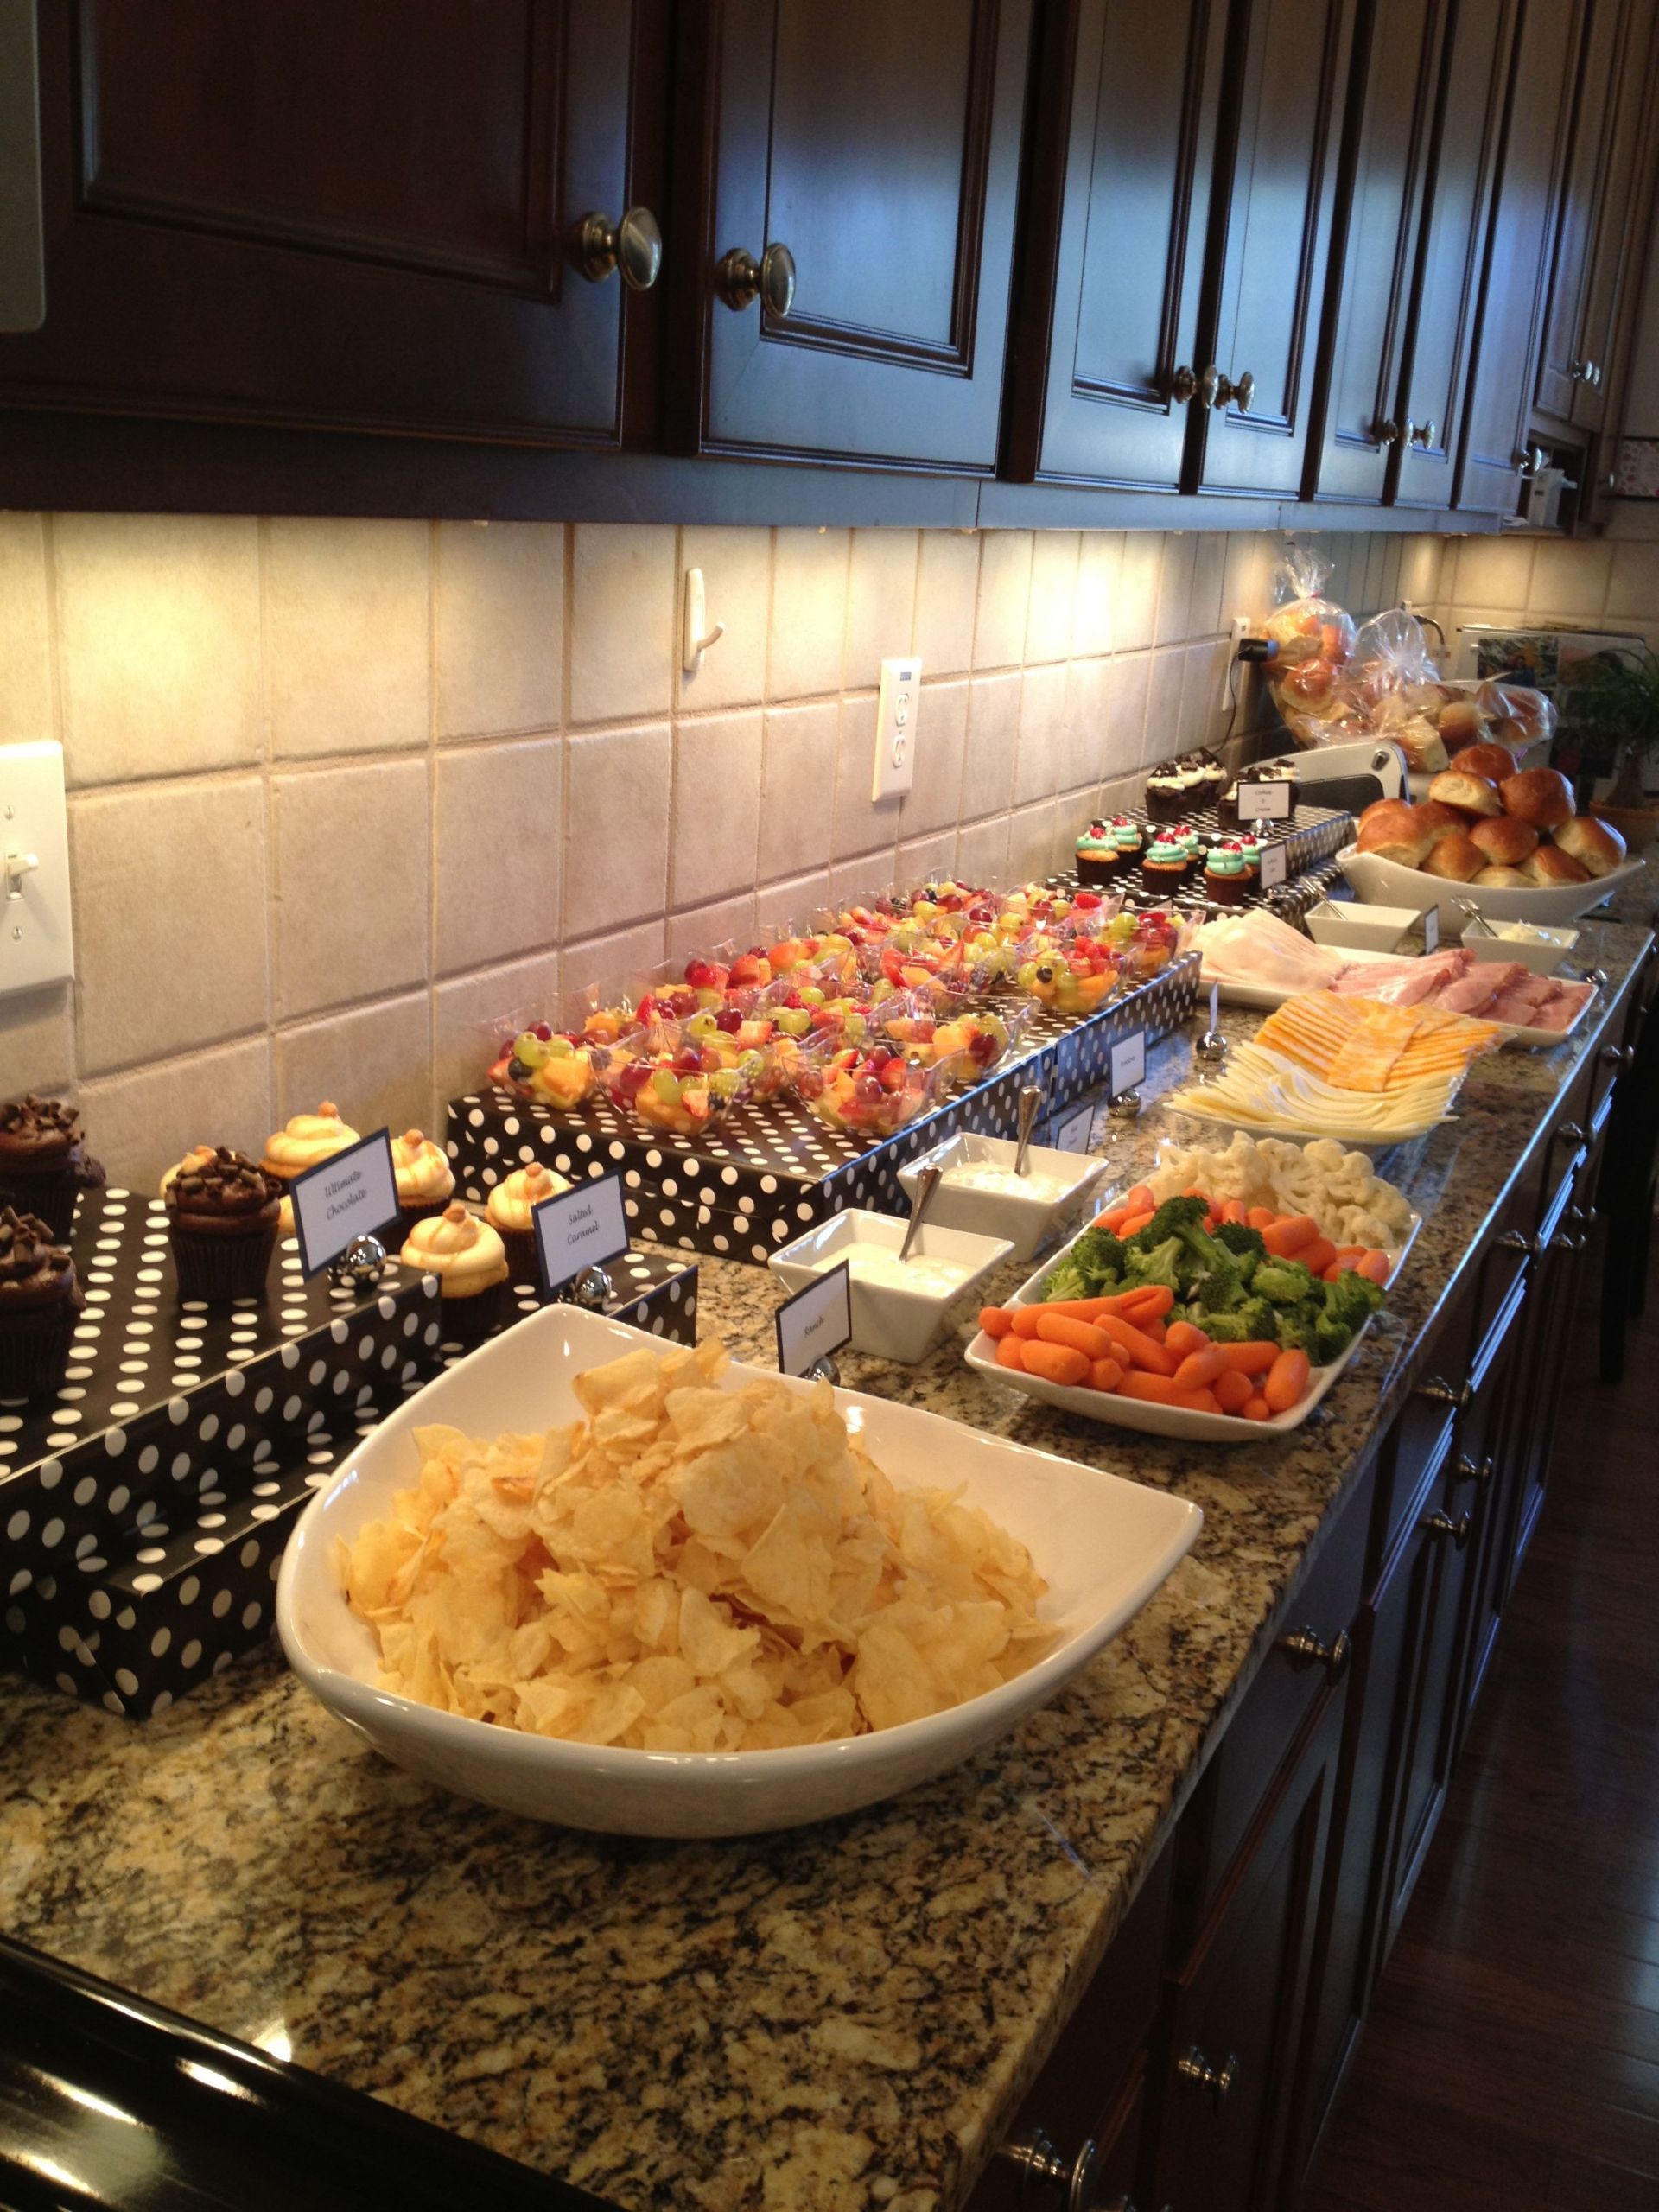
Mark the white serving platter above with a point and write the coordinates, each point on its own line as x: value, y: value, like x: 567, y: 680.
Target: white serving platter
x: 1023, y: 1219
x: 1140, y: 1413
x: 1104, y: 1545
x: 1264, y: 997
x: 1300, y: 1121
x: 893, y: 1320
x: 1385, y: 883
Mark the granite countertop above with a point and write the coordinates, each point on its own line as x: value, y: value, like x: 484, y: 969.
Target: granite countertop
x: 842, y: 2016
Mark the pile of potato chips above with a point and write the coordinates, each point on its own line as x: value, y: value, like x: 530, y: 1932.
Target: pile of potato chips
x: 689, y: 1569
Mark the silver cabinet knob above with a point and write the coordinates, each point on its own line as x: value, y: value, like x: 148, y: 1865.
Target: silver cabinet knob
x: 739, y: 278
x: 1571, y: 1132
x: 1473, y: 1470
x: 634, y: 245
x: 1423, y: 434
x: 1218, y: 391
x: 1303, y: 1647
x: 1183, y: 385
x: 1441, y: 1394
x: 1442, y: 1524
x: 1512, y: 1240
x: 1192, y: 2066
x: 1617, y: 1055
x: 1390, y: 433
x: 1041, y: 2163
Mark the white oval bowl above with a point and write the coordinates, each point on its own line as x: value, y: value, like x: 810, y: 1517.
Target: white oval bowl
x: 1104, y: 1545
x: 1385, y: 883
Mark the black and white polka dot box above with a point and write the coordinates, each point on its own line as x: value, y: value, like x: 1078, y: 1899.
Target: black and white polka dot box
x: 653, y: 1290
x: 164, y: 1400
x: 766, y: 1172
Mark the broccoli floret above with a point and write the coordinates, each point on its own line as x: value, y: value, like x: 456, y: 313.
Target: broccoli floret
x: 1285, y: 1282
x: 1297, y: 1328
x: 1351, y: 1299
x: 1245, y: 1244
x: 1093, y: 1266
x: 1252, y: 1322
x: 1213, y: 1273
x: 1333, y: 1338
x: 1174, y: 1216
x: 1161, y: 1264
x: 1225, y: 1328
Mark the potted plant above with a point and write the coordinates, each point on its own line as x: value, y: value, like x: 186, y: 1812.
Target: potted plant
x: 1609, y: 705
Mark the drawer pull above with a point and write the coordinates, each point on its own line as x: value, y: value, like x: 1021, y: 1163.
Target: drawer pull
x: 1302, y: 1645
x: 1439, y: 1393
x: 1513, y: 1240
x: 1473, y: 1470
x: 1041, y: 2165
x: 1618, y: 1056
x: 1192, y: 2066
x: 1442, y: 1524
x: 1571, y: 1132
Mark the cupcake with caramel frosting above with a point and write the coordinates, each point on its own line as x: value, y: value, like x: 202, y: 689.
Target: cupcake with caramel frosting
x: 222, y: 1213
x: 426, y: 1182
x: 307, y: 1140
x: 510, y: 1206
x: 470, y: 1262
x: 40, y: 1302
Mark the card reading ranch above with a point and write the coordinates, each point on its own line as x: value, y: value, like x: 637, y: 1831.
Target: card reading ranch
x: 352, y: 1193
x: 579, y: 1228
x: 816, y: 1322
x: 1129, y: 1062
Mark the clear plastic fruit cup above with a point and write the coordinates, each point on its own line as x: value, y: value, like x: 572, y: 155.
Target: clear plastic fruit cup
x: 871, y: 1094
x: 681, y: 1090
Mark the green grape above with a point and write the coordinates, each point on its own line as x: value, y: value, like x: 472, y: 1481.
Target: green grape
x: 529, y: 1048
x: 667, y: 1085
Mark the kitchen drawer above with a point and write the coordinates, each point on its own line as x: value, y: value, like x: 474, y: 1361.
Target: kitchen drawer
x: 1092, y: 2087
x: 1310, y: 1647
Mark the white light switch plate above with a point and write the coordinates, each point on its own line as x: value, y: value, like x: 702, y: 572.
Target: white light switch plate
x: 36, y: 938
x: 897, y: 713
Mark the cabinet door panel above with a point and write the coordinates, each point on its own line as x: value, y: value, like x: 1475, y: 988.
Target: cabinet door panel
x: 1453, y: 248
x: 1507, y: 319
x: 1601, y: 33
x: 1279, y: 190
x: 1616, y: 259
x: 303, y: 214
x: 881, y: 145
x: 1393, y: 95
x: 1119, y: 227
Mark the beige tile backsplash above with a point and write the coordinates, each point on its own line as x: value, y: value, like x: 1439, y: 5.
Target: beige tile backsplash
x: 343, y: 793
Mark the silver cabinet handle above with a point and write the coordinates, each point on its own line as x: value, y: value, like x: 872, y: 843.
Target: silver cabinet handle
x: 1423, y: 434
x: 1192, y: 2066
x: 634, y: 246
x: 1471, y: 1470
x: 1441, y: 1394
x: 1218, y: 391
x: 1442, y: 1524
x: 739, y: 278
x: 1571, y: 1132
x: 1617, y: 1055
x: 1041, y: 2162
x: 1511, y: 1240
x: 1183, y: 387
x: 1390, y: 433
x: 1303, y: 1647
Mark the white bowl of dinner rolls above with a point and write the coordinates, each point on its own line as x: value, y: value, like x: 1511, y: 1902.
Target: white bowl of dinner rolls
x: 1508, y: 841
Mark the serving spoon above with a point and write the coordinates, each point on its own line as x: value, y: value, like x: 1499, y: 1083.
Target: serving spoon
x: 927, y: 1182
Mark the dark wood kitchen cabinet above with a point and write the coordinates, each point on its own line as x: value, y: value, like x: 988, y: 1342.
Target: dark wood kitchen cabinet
x: 360, y: 217
x: 847, y: 181
x: 1595, y: 252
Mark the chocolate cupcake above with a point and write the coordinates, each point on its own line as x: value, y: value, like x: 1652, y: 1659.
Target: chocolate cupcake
x: 223, y: 1215
x: 40, y: 1302
x: 43, y: 1162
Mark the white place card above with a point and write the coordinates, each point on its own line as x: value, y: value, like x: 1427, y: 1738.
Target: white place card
x: 352, y: 1193
x: 1075, y: 1133
x: 579, y: 1228
x: 1273, y: 865
x: 1264, y: 802
x: 1431, y: 929
x: 1129, y: 1062
x: 816, y: 1322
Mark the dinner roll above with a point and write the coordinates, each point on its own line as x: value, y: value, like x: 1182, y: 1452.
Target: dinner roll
x: 1490, y: 762
x: 1460, y: 721
x: 1550, y: 865
x: 1503, y: 879
x: 1308, y: 680
x: 1474, y: 794
x: 1505, y: 842
x: 1458, y: 859
x: 1596, y: 843
x: 1440, y: 821
x: 1394, y: 834
x: 1540, y: 796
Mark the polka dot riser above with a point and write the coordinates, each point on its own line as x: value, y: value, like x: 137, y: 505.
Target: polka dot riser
x: 164, y: 1401
x: 772, y: 1171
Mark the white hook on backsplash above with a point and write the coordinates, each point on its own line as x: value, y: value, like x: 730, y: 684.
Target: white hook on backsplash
x: 695, y: 640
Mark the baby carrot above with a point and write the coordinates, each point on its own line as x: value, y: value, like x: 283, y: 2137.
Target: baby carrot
x: 1010, y: 1352
x: 1082, y: 1336
x: 1334, y: 1271
x: 1347, y: 1254
x: 1160, y: 1390
x: 1023, y: 1320
x: 995, y: 1320
x: 1261, y: 1217
x: 1134, y: 1225
x: 1139, y: 1201
x: 1287, y: 1236
x: 1251, y: 1359
x: 1105, y: 1374
x: 1286, y: 1380
x: 1233, y: 1210
x: 1319, y: 1255
x: 1154, y: 1358
x: 1200, y: 1368
x: 1152, y: 1328
x: 1232, y: 1389
x: 1054, y: 1362
x: 1113, y: 1219
x: 1181, y: 1337
x: 1151, y: 1302
x: 1256, y: 1408
x: 1375, y: 1267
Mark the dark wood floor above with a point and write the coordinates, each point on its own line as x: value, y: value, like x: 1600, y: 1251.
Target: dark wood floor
x: 1511, y: 2060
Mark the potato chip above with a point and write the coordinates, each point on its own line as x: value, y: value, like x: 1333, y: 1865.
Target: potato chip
x: 688, y: 1569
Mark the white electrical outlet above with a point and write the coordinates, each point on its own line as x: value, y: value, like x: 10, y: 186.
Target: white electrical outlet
x: 897, y: 713
x: 36, y: 939
x: 1237, y: 630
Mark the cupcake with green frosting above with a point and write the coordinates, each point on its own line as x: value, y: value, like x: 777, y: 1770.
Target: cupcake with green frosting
x: 1097, y: 860
x: 1226, y: 876
x: 1166, y: 865
x: 1128, y: 838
